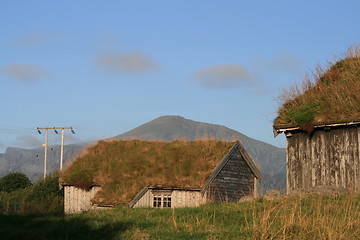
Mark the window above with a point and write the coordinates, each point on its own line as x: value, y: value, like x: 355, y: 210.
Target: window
x: 162, y: 200
x: 157, y: 201
x: 167, y: 201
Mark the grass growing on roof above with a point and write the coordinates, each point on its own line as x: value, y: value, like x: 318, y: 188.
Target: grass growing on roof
x: 332, y: 95
x: 123, y: 168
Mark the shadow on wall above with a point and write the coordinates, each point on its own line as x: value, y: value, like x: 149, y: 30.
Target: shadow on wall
x: 55, y: 227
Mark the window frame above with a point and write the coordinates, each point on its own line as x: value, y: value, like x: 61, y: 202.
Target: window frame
x: 161, y: 199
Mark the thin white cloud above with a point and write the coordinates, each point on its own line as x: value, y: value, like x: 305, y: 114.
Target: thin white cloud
x: 32, y: 40
x: 26, y: 72
x: 121, y: 63
x: 285, y: 63
x: 224, y: 76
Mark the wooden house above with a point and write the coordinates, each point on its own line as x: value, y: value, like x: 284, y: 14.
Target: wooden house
x: 327, y: 158
x: 224, y: 175
x: 321, y: 124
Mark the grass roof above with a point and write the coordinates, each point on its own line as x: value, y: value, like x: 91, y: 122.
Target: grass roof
x: 331, y: 96
x: 123, y: 168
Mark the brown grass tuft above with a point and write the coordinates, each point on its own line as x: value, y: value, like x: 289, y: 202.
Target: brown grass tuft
x: 332, y: 94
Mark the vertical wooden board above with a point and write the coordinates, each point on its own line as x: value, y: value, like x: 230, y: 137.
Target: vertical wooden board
x: 350, y: 166
x: 322, y: 161
x: 356, y: 158
x: 357, y: 162
x: 66, y: 200
x: 331, y: 159
x: 326, y: 157
x: 348, y: 159
x: 335, y: 156
x: 315, y: 159
x: 151, y: 195
x: 290, y: 159
x: 342, y: 146
x: 313, y: 156
x: 174, y: 199
x: 297, y: 166
x: 178, y: 199
x: 304, y: 161
x: 74, y: 199
x: 307, y: 182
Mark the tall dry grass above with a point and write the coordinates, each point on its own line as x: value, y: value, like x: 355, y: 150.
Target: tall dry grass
x: 331, y: 93
x: 314, y: 217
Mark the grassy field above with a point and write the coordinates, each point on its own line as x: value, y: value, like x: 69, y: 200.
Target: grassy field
x: 316, y: 217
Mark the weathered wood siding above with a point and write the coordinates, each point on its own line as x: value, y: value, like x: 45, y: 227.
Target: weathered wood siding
x: 77, y: 200
x: 327, y: 158
x: 187, y: 198
x: 179, y: 198
x: 145, y: 200
x: 234, y: 181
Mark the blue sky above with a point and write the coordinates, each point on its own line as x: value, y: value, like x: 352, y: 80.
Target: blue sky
x: 105, y: 67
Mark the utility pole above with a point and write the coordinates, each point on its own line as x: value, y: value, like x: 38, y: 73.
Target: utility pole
x: 46, y: 143
x: 45, y: 151
x: 62, y: 148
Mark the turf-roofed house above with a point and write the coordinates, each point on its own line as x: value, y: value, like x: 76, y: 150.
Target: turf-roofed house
x: 321, y: 122
x: 159, y: 174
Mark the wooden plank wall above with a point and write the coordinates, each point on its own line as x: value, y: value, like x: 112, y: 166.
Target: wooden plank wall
x: 234, y: 181
x: 327, y: 158
x: 145, y: 201
x: 179, y: 198
x: 77, y: 200
x: 182, y: 198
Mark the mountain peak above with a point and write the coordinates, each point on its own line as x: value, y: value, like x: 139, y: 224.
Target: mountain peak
x: 170, y: 127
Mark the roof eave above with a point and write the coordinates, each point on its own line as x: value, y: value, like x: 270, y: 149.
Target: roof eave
x: 278, y: 129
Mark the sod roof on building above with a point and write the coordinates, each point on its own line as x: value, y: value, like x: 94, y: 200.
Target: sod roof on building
x: 123, y: 168
x: 332, y: 96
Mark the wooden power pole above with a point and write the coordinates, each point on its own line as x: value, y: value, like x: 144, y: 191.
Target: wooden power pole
x: 46, y: 143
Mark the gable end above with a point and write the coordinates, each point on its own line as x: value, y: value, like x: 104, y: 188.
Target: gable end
x: 236, y: 147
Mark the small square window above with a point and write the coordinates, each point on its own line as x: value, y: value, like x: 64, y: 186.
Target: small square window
x: 167, y: 201
x: 157, y: 201
x: 162, y: 200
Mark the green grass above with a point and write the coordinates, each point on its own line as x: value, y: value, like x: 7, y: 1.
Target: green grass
x: 316, y: 217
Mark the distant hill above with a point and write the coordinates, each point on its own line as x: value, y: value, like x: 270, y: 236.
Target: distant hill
x: 31, y: 161
x: 270, y: 159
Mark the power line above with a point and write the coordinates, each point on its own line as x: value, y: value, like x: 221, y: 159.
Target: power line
x: 5, y: 125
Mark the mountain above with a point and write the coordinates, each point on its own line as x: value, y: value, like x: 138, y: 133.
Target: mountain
x: 269, y: 159
x: 31, y: 161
